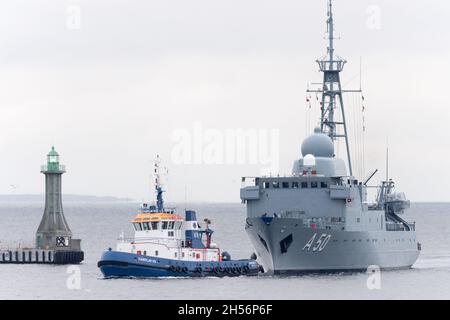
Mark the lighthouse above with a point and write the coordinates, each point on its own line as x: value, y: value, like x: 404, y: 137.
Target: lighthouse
x: 53, y: 231
x: 54, y: 242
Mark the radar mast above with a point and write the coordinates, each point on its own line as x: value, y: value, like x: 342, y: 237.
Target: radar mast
x: 331, y: 65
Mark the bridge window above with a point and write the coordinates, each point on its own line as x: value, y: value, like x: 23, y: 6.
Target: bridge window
x: 165, y: 224
x: 138, y: 226
x: 146, y: 226
x: 304, y: 185
x: 314, y: 184
x: 294, y: 185
x: 155, y: 225
x: 171, y: 224
x: 285, y: 185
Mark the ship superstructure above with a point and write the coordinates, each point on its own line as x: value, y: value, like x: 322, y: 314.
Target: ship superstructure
x: 319, y: 218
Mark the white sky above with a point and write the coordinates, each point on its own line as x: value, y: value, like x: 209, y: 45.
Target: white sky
x: 110, y: 95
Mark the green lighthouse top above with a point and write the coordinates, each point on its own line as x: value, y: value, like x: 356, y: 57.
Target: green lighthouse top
x: 53, y: 165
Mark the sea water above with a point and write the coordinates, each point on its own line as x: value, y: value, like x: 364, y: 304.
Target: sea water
x: 100, y: 224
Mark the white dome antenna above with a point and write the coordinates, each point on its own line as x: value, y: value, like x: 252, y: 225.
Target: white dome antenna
x: 309, y: 161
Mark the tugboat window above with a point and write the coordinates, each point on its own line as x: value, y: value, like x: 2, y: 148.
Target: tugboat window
x: 140, y: 226
x: 266, y: 185
x: 165, y: 225
x: 314, y: 184
x: 171, y: 224
x: 146, y: 226
x: 324, y: 185
x: 155, y: 225
x: 285, y: 185
x: 304, y: 185
x: 276, y: 185
x: 295, y: 185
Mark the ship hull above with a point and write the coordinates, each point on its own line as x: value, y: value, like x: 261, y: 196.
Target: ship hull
x: 285, y: 246
x: 114, y: 264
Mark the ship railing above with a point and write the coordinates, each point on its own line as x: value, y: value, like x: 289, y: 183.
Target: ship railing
x: 161, y: 241
x: 394, y: 226
x: 399, y: 226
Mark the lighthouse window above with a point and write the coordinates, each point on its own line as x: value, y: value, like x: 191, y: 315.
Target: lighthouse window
x: 155, y: 225
x: 165, y: 225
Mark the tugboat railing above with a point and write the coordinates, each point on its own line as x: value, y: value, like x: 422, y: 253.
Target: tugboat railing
x: 160, y: 241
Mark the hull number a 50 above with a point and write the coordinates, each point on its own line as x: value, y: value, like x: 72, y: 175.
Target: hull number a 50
x: 317, y: 245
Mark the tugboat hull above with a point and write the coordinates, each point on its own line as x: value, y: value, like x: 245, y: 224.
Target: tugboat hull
x: 114, y: 264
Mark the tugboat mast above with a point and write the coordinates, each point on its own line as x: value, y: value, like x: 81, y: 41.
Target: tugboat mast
x: 332, y: 65
x: 158, y: 185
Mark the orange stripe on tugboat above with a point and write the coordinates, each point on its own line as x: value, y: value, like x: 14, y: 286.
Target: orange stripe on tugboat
x: 146, y: 217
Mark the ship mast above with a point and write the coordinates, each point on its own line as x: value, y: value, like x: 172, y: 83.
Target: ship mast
x: 332, y: 65
x: 158, y: 185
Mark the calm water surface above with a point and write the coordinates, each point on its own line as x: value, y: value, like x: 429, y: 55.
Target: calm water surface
x: 99, y: 225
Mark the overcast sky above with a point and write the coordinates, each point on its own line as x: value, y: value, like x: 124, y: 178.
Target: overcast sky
x: 113, y: 86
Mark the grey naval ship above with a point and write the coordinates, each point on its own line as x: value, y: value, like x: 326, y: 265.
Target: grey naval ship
x: 319, y: 219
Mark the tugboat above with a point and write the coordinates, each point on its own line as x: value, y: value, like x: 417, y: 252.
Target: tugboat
x: 167, y: 245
